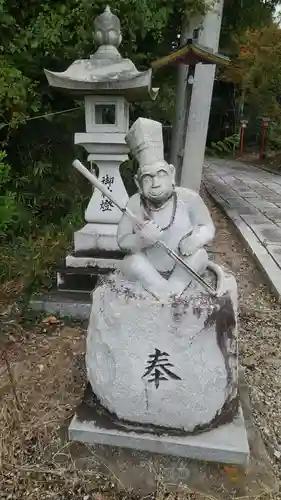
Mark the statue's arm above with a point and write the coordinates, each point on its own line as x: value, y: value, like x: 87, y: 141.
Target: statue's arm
x: 203, y: 226
x: 204, y: 229
x: 126, y: 237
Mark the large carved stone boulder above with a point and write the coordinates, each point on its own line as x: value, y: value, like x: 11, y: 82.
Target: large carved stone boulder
x: 170, y: 365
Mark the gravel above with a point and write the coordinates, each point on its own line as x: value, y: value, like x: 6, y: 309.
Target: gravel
x: 259, y: 333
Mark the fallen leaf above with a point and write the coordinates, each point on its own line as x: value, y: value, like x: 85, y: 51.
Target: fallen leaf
x: 233, y: 473
x: 51, y: 320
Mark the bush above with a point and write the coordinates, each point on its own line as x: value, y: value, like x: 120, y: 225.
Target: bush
x: 274, y: 136
x: 128, y: 171
x: 225, y: 147
x: 8, y: 204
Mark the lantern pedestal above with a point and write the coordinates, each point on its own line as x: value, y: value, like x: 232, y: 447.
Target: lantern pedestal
x: 96, y: 238
x: 107, y: 122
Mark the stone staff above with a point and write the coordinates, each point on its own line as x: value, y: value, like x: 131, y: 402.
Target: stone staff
x: 94, y: 180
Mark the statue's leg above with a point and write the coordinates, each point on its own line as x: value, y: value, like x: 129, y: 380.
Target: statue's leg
x: 180, y: 278
x: 137, y: 267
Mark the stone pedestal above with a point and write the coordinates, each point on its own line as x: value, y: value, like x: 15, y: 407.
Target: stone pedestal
x: 99, y: 234
x: 163, y: 375
x: 96, y: 238
x: 227, y: 444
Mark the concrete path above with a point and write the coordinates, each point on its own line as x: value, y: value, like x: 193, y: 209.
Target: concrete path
x: 252, y: 199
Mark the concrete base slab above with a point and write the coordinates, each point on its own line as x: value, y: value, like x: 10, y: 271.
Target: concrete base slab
x: 227, y: 444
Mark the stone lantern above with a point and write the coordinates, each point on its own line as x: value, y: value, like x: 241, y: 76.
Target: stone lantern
x: 107, y: 82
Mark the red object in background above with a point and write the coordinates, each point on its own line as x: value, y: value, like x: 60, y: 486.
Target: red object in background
x: 244, y: 124
x: 265, y: 125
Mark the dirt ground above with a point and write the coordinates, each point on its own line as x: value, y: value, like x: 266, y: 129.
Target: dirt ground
x: 45, y: 384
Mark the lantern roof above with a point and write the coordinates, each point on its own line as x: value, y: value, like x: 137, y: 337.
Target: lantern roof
x: 106, y: 71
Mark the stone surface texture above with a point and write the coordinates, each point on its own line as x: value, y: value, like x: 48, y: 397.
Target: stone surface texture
x: 160, y: 363
x: 96, y: 237
x: 251, y: 197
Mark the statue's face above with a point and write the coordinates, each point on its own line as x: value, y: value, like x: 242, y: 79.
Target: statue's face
x: 156, y: 182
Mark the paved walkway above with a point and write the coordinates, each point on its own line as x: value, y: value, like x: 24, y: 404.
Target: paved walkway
x: 252, y: 199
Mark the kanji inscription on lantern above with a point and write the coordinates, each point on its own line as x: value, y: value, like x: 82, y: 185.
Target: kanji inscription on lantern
x: 108, y: 181
x: 159, y: 368
x: 106, y: 205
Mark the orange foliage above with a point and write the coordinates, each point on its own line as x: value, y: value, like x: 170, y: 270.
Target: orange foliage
x: 255, y: 72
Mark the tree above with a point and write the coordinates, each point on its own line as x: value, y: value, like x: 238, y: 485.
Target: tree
x: 255, y: 73
x: 242, y: 15
x: 240, y: 18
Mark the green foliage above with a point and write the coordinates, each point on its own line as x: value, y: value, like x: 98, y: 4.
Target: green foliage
x: 225, y: 147
x: 273, y: 140
x: 196, y: 7
x: 128, y: 171
x: 240, y: 17
x: 17, y: 97
x: 30, y: 262
x: 8, y: 205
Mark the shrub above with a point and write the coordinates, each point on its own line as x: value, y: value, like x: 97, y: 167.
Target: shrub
x: 8, y: 204
x: 225, y: 147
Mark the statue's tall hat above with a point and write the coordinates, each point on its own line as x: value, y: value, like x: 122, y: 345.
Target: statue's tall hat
x: 145, y: 141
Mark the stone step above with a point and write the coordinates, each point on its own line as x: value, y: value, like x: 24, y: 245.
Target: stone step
x: 96, y: 262
x: 74, y: 304
x: 79, y: 278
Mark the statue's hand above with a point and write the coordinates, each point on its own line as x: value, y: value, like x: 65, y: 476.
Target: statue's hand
x: 188, y: 245
x: 149, y: 234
